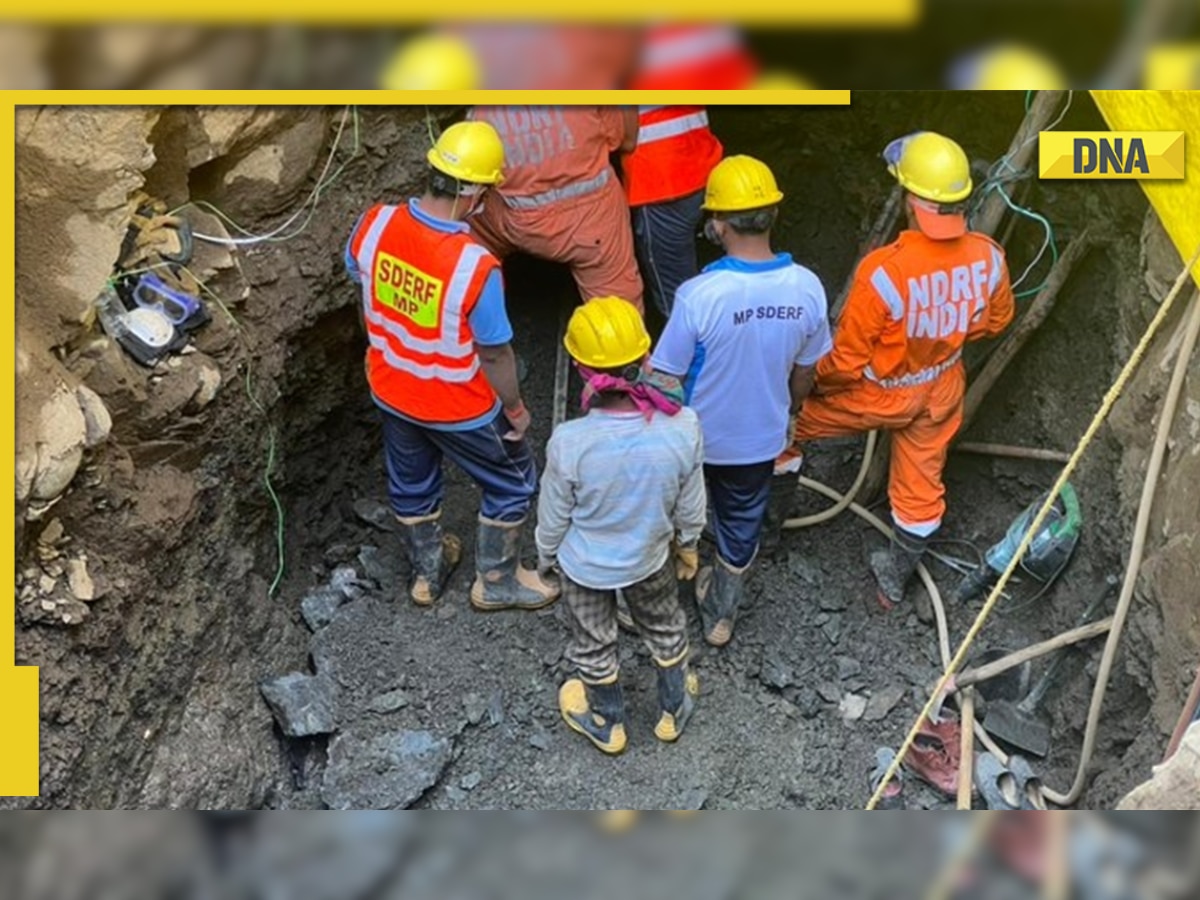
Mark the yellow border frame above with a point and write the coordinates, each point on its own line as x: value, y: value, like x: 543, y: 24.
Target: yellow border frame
x: 19, y: 701
x: 370, y: 13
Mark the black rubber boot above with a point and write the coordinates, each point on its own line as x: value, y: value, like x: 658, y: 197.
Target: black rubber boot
x: 597, y: 711
x: 719, y: 590
x: 434, y: 556
x: 501, y: 581
x: 678, y: 688
x: 893, y: 568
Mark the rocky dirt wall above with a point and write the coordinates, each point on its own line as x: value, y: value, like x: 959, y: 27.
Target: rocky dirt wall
x: 145, y: 536
x: 1163, y: 635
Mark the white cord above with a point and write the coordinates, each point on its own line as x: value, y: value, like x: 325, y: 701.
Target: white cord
x: 310, y: 200
x: 1036, y: 217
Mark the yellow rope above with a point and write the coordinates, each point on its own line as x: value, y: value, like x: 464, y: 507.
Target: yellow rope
x: 1102, y: 414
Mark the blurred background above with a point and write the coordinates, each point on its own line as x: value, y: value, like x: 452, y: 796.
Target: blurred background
x: 952, y: 44
x: 351, y: 855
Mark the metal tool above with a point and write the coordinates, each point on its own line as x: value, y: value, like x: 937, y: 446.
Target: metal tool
x: 1022, y: 725
x: 1047, y: 555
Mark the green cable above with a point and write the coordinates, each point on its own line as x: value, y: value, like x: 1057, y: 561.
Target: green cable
x: 267, y: 473
x: 272, y: 444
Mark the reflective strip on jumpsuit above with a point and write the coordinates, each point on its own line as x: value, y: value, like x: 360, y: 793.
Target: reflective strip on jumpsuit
x: 897, y: 359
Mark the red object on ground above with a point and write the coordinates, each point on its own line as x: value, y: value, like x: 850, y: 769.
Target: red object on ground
x: 935, y: 755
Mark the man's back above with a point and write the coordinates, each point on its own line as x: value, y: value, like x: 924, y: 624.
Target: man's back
x: 737, y: 329
x: 917, y: 301
x: 553, y: 147
x: 626, y: 476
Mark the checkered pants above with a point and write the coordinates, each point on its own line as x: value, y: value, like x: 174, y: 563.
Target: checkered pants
x: 654, y: 605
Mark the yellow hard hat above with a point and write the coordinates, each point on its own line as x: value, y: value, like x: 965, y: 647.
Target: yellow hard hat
x: 606, y: 333
x: 469, y: 151
x: 781, y: 81
x: 931, y: 166
x: 738, y: 183
x: 1014, y: 67
x: 432, y: 62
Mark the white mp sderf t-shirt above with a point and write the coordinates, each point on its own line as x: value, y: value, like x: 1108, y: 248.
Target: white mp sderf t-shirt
x: 734, y: 334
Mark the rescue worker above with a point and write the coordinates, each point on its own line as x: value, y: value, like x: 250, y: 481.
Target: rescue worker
x: 561, y: 199
x: 442, y: 372
x: 664, y: 179
x: 622, y: 507
x: 745, y: 335
x: 896, y: 362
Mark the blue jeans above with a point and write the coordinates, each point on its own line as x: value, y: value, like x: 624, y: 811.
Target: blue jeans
x: 664, y: 236
x: 737, y: 496
x: 504, y: 470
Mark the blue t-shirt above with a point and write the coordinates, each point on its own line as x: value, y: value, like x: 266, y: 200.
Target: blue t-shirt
x: 735, y: 333
x: 488, y: 320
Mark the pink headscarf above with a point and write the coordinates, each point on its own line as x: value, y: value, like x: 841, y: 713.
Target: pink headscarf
x: 650, y: 391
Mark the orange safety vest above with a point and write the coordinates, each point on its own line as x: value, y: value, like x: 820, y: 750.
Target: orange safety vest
x: 694, y: 57
x: 913, y: 305
x: 419, y: 286
x: 674, y: 154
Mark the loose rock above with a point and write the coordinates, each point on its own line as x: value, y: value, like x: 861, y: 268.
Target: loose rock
x: 852, y: 707
x: 808, y: 702
x: 539, y: 740
x: 80, y: 582
x: 375, y: 514
x: 390, y: 771
x: 883, y: 702
x: 303, y: 705
x: 380, y: 565
x: 389, y: 702
x: 829, y: 692
x: 475, y: 707
x: 52, y: 533
x: 832, y: 629
x: 848, y: 667
x: 97, y: 421
x: 319, y: 607
x: 831, y: 602
x: 775, y: 673
x: 495, y: 710
x: 471, y: 780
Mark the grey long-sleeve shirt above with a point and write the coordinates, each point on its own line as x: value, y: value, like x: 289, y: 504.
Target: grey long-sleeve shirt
x: 616, y: 490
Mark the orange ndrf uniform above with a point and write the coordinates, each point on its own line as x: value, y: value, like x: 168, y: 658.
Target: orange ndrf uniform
x: 896, y: 362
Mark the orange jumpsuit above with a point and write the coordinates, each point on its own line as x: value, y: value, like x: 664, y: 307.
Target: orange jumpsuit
x: 560, y: 199
x: 897, y: 364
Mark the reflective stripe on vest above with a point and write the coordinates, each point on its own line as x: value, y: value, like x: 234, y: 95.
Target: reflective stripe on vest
x: 578, y: 189
x: 672, y: 127
x: 426, y: 371
x: 924, y: 376
x: 690, y: 46
x: 448, y: 343
x: 997, y: 270
x: 888, y: 292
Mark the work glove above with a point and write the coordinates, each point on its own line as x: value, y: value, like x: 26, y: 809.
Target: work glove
x: 687, y: 562
x: 519, y: 419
